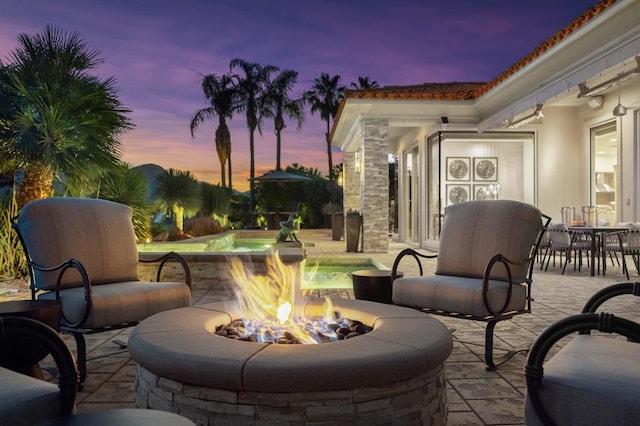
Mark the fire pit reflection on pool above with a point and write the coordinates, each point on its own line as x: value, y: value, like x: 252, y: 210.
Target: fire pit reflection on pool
x: 393, y: 374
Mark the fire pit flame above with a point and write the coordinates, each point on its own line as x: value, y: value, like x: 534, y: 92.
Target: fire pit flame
x: 268, y: 306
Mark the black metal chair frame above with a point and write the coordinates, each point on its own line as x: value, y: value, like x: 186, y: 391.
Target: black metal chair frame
x: 572, y: 250
x: 582, y: 323
x: 42, y: 334
x: 495, y: 317
x: 76, y: 329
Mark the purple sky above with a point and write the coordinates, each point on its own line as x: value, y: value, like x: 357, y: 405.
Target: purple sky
x: 157, y: 51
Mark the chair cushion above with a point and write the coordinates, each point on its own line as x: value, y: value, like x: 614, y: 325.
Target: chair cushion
x: 123, y: 302
x: 25, y: 400
x: 475, y: 231
x: 96, y: 232
x: 456, y: 294
x: 593, y: 380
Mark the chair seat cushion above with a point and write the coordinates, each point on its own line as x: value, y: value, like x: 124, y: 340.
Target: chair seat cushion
x: 124, y: 302
x: 25, y: 400
x: 456, y: 294
x: 593, y: 380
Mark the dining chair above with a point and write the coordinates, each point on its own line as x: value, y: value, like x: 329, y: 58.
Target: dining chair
x: 571, y: 245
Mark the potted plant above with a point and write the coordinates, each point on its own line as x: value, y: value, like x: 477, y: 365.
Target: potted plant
x: 354, y: 224
x: 337, y: 219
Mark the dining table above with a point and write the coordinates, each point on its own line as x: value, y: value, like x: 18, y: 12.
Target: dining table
x: 596, y: 232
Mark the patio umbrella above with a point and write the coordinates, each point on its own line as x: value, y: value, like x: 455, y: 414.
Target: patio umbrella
x: 280, y: 177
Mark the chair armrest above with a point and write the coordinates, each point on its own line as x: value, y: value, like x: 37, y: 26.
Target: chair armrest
x: 534, y: 371
x: 499, y: 258
x: 413, y: 253
x: 169, y: 257
x: 63, y: 267
x: 610, y: 292
x: 36, y: 331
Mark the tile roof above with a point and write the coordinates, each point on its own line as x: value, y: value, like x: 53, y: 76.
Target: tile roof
x: 460, y: 91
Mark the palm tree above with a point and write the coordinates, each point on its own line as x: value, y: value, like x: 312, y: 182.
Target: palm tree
x: 128, y: 186
x: 61, y: 119
x: 365, y: 83
x: 178, y: 194
x: 280, y: 104
x: 251, y: 87
x: 324, y: 97
x: 222, y: 96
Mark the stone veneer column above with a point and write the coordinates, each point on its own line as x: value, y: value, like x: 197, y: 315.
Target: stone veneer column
x: 375, y: 185
x: 351, y: 185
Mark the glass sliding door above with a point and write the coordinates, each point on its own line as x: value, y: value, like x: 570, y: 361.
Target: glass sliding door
x: 411, y: 195
x: 604, y: 171
x: 465, y: 166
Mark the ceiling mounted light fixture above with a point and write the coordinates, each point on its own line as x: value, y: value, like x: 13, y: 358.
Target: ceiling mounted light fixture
x: 528, y: 119
x: 619, y: 110
x: 590, y: 91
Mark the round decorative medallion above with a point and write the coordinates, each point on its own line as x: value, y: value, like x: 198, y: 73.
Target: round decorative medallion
x: 482, y: 194
x: 485, y: 169
x: 458, y: 169
x: 458, y: 194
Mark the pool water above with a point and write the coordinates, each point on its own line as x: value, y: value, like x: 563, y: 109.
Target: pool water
x: 217, y: 245
x: 331, y: 276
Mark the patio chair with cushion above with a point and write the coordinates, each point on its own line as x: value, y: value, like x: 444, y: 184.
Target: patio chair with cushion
x: 25, y: 400
x: 484, y: 266
x: 593, y: 379
x: 83, y: 252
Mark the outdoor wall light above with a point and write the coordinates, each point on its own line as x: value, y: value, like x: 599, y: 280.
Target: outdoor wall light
x: 595, y: 102
x: 357, y: 161
x: 619, y: 110
x: 528, y: 119
x: 586, y: 91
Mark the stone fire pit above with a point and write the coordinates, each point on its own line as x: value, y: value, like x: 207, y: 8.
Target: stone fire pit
x: 393, y: 374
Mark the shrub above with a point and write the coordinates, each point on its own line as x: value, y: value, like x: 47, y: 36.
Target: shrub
x: 13, y: 263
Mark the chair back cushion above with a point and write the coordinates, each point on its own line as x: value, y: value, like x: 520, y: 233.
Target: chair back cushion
x: 475, y: 231
x: 98, y: 233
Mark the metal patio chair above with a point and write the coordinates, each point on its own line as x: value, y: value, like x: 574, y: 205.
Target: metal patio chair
x: 593, y: 379
x: 25, y: 400
x: 484, y: 266
x: 83, y: 252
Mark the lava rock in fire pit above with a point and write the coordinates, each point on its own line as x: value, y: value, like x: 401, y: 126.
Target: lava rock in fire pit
x: 297, y: 331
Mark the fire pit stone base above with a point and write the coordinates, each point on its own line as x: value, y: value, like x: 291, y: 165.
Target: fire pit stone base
x: 421, y: 400
x: 395, y: 374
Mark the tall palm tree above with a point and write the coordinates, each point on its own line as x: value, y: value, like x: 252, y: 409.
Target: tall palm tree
x: 62, y: 120
x: 324, y: 97
x: 177, y: 193
x: 222, y: 96
x: 280, y: 104
x: 251, y: 87
x: 365, y: 83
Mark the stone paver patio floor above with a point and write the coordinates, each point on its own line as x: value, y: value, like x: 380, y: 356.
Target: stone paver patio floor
x: 476, y: 396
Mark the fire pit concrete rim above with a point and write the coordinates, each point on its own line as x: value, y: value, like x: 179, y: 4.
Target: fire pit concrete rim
x: 180, y: 345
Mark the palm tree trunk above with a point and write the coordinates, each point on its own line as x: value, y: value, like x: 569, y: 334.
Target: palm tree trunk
x: 252, y: 171
x: 327, y: 136
x: 36, y: 183
x: 229, y: 162
x: 178, y: 213
x: 278, y: 151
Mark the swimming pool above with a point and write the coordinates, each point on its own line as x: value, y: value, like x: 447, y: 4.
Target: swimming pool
x: 325, y: 275
x: 225, y: 243
x: 209, y: 257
